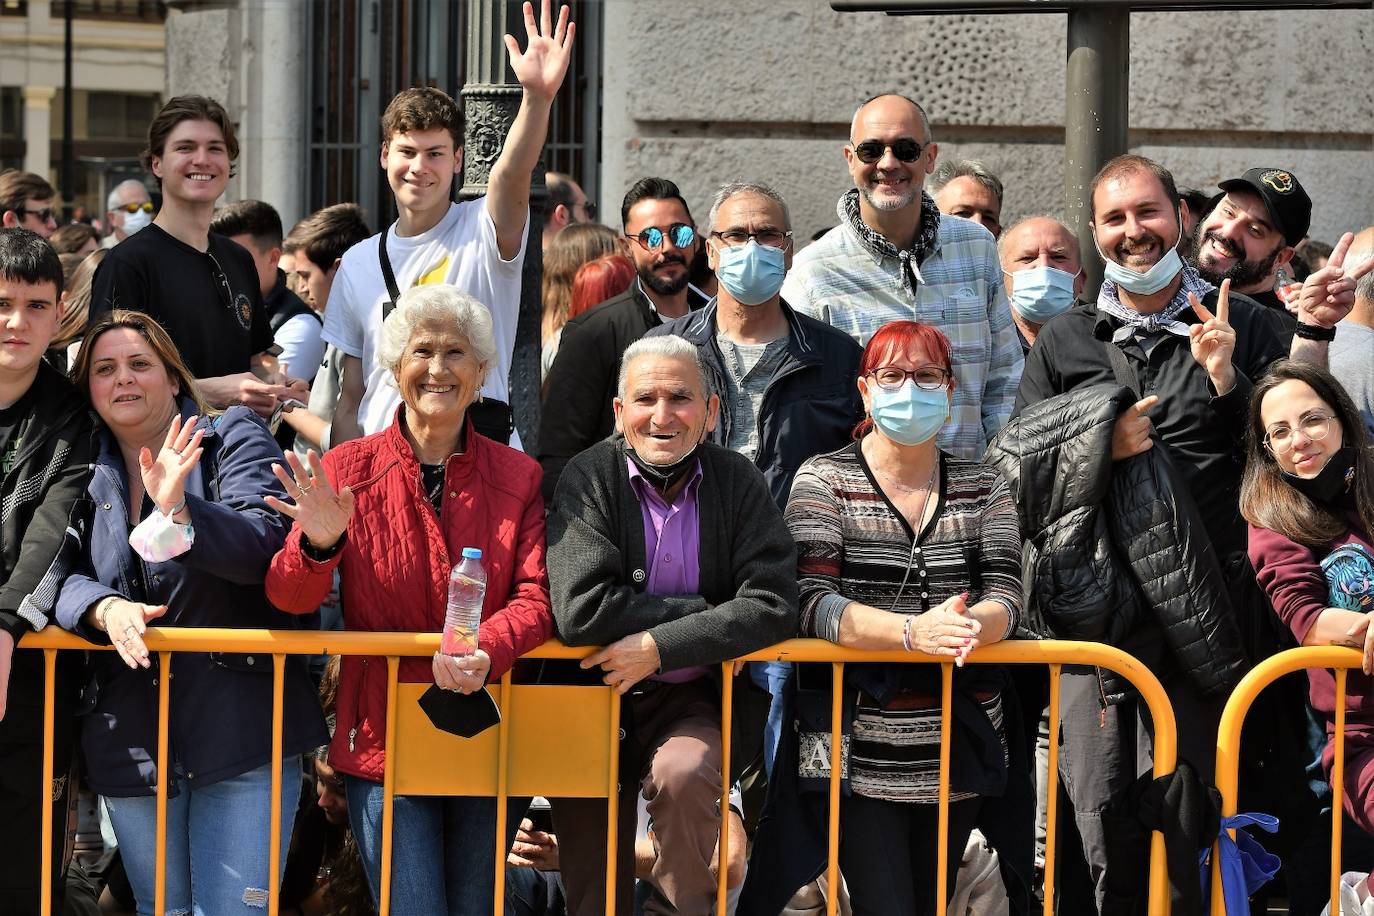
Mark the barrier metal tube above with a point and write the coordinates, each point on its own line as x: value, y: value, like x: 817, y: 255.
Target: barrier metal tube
x: 942, y: 832
x: 49, y: 728
x: 164, y: 685
x: 502, y: 784
x: 1052, y: 791
x: 274, y: 818
x: 1233, y: 721
x: 727, y: 708
x: 393, y: 646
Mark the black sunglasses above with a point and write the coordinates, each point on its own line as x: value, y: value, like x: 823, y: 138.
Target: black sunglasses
x: 226, y: 292
x: 905, y: 149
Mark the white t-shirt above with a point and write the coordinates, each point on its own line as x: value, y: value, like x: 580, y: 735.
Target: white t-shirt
x: 460, y: 250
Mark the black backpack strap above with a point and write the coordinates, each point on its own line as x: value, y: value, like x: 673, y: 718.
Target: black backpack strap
x: 388, y: 275
x: 1122, y: 368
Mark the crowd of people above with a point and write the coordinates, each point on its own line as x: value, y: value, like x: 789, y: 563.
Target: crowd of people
x: 915, y: 433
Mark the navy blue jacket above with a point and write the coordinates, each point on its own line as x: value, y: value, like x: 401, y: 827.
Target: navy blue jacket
x: 221, y: 703
x: 811, y: 404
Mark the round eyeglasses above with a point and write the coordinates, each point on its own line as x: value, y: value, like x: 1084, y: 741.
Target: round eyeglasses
x: 890, y: 378
x: 680, y: 235
x: 1314, y: 426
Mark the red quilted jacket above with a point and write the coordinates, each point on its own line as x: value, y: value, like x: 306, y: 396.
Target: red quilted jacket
x: 395, y: 562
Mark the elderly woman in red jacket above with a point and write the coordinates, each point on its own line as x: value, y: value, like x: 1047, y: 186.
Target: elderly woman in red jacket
x: 392, y: 512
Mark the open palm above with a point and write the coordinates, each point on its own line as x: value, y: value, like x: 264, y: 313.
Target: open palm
x: 164, y: 476
x: 542, y: 66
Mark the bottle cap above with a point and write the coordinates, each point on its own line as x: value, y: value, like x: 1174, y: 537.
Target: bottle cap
x: 472, y: 553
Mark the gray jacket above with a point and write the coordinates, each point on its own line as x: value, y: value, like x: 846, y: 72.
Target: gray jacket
x: 597, y: 565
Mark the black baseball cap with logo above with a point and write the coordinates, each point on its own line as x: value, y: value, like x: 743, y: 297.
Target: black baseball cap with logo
x: 1285, y: 198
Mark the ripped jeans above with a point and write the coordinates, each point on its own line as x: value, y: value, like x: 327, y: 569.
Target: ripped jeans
x: 217, y: 842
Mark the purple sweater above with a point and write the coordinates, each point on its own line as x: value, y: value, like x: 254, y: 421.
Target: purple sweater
x: 1291, y: 575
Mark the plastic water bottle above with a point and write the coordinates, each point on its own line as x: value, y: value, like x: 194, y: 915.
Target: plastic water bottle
x: 467, y: 586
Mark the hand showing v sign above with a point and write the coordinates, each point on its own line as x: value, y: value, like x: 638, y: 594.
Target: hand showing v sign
x: 1327, y: 295
x: 1214, y: 341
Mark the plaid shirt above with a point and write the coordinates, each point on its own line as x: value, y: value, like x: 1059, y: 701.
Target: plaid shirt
x: 958, y: 288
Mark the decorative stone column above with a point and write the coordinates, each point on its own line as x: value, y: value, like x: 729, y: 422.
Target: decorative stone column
x: 38, y: 129
x: 491, y: 98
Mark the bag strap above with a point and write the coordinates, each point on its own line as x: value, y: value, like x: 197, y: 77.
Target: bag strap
x: 388, y: 275
x: 1122, y: 368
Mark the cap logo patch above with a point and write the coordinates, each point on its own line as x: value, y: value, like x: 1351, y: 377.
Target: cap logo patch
x: 1281, y: 182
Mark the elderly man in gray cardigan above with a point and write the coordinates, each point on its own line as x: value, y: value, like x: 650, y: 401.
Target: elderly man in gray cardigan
x: 669, y: 552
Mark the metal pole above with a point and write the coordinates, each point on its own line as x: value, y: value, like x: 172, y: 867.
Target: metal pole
x: 491, y: 98
x: 1095, y: 116
x: 68, y: 156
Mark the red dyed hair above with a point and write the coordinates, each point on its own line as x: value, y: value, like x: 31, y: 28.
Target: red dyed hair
x: 896, y: 338
x: 599, y: 280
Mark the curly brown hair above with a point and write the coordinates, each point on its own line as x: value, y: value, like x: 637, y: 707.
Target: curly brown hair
x: 422, y: 108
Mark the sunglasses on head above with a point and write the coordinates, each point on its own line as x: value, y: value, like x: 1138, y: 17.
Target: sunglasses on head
x: 905, y: 149
x: 679, y: 234
x: 146, y: 207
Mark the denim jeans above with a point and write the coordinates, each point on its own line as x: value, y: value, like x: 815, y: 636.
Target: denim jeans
x: 217, y: 841
x: 771, y: 676
x: 443, y: 850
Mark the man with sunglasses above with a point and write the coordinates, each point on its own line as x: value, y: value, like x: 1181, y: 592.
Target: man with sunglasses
x: 567, y: 204
x: 662, y: 240
x: 127, y: 210
x: 26, y: 202
x: 893, y: 257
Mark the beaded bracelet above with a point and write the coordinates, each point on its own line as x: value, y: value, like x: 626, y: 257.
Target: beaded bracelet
x: 906, y: 633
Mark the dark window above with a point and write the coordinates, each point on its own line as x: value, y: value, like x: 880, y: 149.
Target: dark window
x: 121, y: 10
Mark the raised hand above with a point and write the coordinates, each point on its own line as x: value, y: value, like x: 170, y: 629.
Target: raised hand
x: 322, y: 512
x: 541, y: 68
x: 1131, y: 435
x: 1214, y: 341
x: 164, y: 477
x: 1327, y: 295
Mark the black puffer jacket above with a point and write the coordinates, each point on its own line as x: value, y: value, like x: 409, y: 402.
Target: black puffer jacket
x: 1115, y: 551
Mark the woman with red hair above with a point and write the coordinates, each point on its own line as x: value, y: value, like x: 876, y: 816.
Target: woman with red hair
x: 598, y: 280
x: 900, y: 546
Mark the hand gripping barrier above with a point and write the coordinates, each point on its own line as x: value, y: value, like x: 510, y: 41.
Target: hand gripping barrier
x: 581, y: 727
x: 1228, y: 745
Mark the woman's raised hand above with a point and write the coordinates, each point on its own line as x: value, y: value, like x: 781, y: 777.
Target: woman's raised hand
x: 164, y: 477
x: 320, y: 510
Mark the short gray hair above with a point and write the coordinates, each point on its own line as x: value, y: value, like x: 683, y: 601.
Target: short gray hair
x: 736, y: 188
x: 966, y: 168
x: 440, y: 303
x: 666, y: 345
x: 116, y: 196
x: 1361, y: 250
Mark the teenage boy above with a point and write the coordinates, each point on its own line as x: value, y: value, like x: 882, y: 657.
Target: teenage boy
x: 477, y: 245
x: 199, y: 285
x: 46, y: 443
x: 318, y: 243
x: 255, y: 225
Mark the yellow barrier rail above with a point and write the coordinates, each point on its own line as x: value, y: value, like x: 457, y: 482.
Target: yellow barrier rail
x: 496, y: 764
x: 1228, y: 745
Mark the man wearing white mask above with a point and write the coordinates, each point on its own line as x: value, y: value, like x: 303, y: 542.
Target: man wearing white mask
x: 1043, y: 270
x: 127, y: 210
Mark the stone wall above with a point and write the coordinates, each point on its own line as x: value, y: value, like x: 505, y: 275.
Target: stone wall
x: 705, y: 92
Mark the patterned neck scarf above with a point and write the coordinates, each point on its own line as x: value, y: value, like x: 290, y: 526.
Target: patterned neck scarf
x: 1109, y: 301
x: 876, y: 244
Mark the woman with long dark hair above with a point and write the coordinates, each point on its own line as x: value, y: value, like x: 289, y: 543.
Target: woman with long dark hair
x: 1308, y: 495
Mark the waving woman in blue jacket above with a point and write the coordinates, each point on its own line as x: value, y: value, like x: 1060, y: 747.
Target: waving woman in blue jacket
x: 180, y: 533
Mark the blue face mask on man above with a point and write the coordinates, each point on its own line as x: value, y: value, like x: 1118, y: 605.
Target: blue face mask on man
x: 751, y: 273
x: 1041, y: 292
x: 1158, y: 276
x: 911, y: 414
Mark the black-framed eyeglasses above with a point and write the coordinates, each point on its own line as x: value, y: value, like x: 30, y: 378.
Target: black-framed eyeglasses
x: 905, y: 149
x: 680, y: 235
x: 47, y: 214
x: 226, y: 292
x: 772, y: 238
x: 890, y: 378
x: 146, y: 207
x: 1314, y: 426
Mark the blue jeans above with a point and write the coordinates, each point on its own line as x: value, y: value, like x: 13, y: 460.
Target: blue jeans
x: 771, y: 676
x: 443, y: 850
x: 217, y: 841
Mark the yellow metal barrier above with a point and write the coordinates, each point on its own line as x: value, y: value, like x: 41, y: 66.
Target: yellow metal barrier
x: 1228, y: 745
x: 581, y: 724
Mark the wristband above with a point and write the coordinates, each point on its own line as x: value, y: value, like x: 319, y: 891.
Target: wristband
x: 177, y: 508
x: 102, y: 611
x: 1314, y: 332
x: 906, y: 633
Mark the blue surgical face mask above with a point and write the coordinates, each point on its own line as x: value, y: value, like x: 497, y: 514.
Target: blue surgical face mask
x: 1039, y: 293
x: 751, y: 273
x: 1160, y: 274
x: 909, y: 415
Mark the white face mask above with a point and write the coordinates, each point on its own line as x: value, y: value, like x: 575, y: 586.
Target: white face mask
x: 135, y: 221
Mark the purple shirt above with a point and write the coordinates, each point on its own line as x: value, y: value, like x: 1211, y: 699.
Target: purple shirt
x: 672, y: 538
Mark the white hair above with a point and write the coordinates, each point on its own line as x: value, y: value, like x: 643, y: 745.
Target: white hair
x: 669, y: 346
x: 116, y: 195
x: 439, y: 303
x: 736, y: 188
